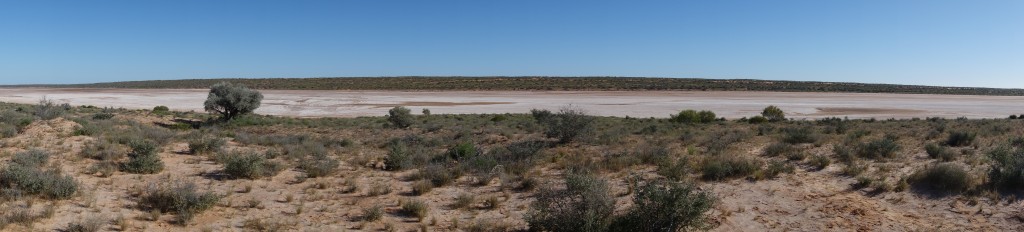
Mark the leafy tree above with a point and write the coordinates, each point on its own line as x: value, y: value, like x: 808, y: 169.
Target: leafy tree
x: 231, y: 100
x: 774, y: 114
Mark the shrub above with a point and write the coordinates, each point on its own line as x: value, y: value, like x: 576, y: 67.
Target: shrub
x: 422, y: 187
x: 438, y: 174
x: 885, y: 147
x: 161, y: 110
x: 667, y: 206
x: 319, y: 166
x: 775, y: 168
x: 584, y: 205
x: 729, y: 166
x: 568, y: 125
x: 31, y: 158
x: 944, y: 177
x: 463, y: 200
x: 799, y: 135
x: 201, y: 143
x: 1007, y: 169
x: 462, y: 151
x: 400, y: 117
x: 177, y: 197
x: 939, y: 152
x: 231, y: 100
x: 415, y: 208
x: 960, y: 139
x: 143, y: 158
x: 8, y: 131
x: 757, y: 120
x: 692, y: 116
x: 250, y: 166
x: 399, y: 158
x: 776, y: 149
x: 47, y: 109
x: 104, y: 150
x: 773, y: 114
x: 373, y: 214
x: 540, y: 115
x: 32, y: 180
x: 819, y: 161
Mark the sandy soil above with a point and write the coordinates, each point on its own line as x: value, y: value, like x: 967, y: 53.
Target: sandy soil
x: 303, y: 103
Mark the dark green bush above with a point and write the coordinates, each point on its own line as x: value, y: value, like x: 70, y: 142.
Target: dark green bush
x: 399, y: 157
x: 667, y: 206
x: 885, y: 147
x: 34, y: 181
x: 177, y: 197
x: 799, y: 135
x: 960, y: 139
x: 161, y: 110
x: 729, y: 166
x: 250, y: 166
x: 400, y: 117
x: 583, y: 205
x: 463, y: 150
x: 693, y: 116
x: 943, y: 177
x: 757, y: 120
x: 1007, y: 169
x: 939, y: 152
x: 143, y: 158
x: 232, y: 100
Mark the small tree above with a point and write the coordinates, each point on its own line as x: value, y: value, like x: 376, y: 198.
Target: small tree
x: 774, y: 114
x: 568, y: 125
x: 400, y: 117
x: 231, y: 100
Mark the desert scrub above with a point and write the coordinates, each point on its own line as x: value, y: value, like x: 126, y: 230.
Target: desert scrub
x: 421, y: 187
x: 582, y: 205
x: 177, y: 197
x: 464, y: 200
x: 374, y: 213
x: 143, y: 158
x: 946, y: 178
x: 884, y: 147
x: 204, y: 142
x: 48, y: 109
x: 30, y: 180
x: 693, y: 116
x: 774, y: 169
x: 570, y: 124
x: 415, y: 208
x: 722, y: 167
x: 400, y: 117
x: 667, y: 206
x: 803, y: 134
x: 103, y: 150
x: 250, y: 166
x: 32, y: 158
x: 318, y: 165
x: 960, y: 138
x: 939, y: 152
x: 1007, y: 168
x: 819, y: 162
x: 777, y: 149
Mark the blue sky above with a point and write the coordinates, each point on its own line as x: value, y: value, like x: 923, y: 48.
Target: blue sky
x: 935, y: 42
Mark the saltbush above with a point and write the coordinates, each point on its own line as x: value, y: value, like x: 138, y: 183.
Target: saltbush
x: 667, y: 206
x: 177, y: 197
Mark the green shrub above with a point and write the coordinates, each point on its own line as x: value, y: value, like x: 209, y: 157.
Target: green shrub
x: 104, y: 150
x: 399, y: 158
x: 777, y: 149
x: 8, y: 131
x: 250, y: 166
x: 819, y: 161
x: 177, y: 197
x: 692, y: 116
x: 1007, y: 169
x: 943, y: 177
x: 319, y: 166
x: 421, y: 187
x: 438, y: 175
x: 775, y: 167
x: 34, y: 181
x: 960, y: 139
x: 939, y: 152
x: 231, y: 100
x: 570, y: 124
x: 161, y: 110
x: 462, y: 151
x: 885, y: 147
x: 583, y: 205
x: 31, y: 158
x: 773, y: 114
x: 667, y: 206
x: 143, y: 158
x: 799, y: 135
x: 400, y: 117
x: 202, y: 143
x: 757, y: 120
x: 415, y: 208
x: 729, y: 166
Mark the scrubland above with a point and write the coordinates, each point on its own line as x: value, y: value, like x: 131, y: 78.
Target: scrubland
x: 82, y: 168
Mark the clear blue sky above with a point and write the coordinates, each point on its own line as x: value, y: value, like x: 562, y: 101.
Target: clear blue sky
x: 930, y: 42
